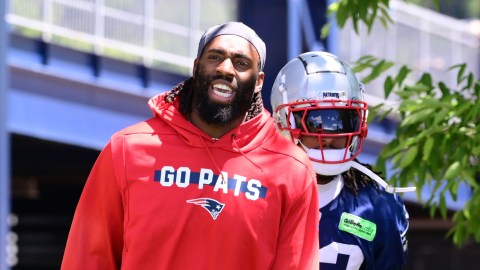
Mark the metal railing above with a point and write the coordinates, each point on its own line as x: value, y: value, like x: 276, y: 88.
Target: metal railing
x: 157, y: 33
x: 164, y: 33
x: 424, y: 40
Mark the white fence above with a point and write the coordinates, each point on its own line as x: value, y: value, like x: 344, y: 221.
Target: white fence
x: 165, y: 33
x: 420, y: 38
x: 160, y: 33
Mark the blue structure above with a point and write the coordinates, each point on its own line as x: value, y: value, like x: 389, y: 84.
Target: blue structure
x: 4, y: 141
x: 60, y: 105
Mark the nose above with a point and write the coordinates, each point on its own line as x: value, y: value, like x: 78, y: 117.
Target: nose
x: 326, y: 142
x: 226, y: 68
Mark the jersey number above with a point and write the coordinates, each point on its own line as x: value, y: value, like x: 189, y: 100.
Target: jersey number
x: 329, y: 255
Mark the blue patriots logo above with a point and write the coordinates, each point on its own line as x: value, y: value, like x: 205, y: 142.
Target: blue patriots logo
x: 212, y: 206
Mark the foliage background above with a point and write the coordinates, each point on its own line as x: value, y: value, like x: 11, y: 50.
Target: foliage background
x: 437, y: 140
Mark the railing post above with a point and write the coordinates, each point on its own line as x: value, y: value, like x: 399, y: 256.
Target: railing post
x: 195, y: 7
x: 5, y: 260
x: 99, y: 34
x: 294, y: 29
x: 333, y: 36
x: 148, y: 31
x: 47, y: 21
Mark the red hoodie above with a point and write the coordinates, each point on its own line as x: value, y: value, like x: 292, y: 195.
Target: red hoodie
x: 164, y: 195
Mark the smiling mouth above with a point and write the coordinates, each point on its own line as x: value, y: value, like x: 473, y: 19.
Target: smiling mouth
x: 222, y: 90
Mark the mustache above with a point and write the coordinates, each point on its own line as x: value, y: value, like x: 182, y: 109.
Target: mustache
x: 221, y: 77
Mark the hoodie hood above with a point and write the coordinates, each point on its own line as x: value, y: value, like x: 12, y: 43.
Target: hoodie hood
x: 246, y: 137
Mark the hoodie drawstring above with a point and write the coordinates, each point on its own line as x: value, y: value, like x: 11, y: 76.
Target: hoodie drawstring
x: 243, y: 154
x: 213, y: 160
x: 239, y: 150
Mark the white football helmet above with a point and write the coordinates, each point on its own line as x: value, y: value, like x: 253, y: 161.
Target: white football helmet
x: 317, y: 94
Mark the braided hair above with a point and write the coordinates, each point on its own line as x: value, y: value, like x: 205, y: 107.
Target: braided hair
x: 354, y: 179
x: 184, y: 92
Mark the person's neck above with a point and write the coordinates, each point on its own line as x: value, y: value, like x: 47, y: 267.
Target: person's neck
x: 214, y: 131
x: 324, y: 179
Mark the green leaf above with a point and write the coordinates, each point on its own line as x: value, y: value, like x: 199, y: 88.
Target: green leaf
x: 378, y: 70
x: 427, y: 148
x: 421, y: 172
x: 426, y: 80
x: 409, y: 105
x: 474, y: 112
x: 385, y: 16
x: 342, y: 15
x: 461, y: 71
x: 443, y: 207
x: 367, y: 59
x: 359, y: 67
x: 440, y: 116
x: 470, y: 179
x: 463, y: 107
x: 452, y: 187
x: 428, y: 102
x: 469, y: 81
x: 452, y: 171
x: 417, y: 117
x: 332, y: 8
x: 466, y: 213
x: 444, y: 89
x: 390, y: 150
x: 363, y: 11
x: 325, y: 31
x: 402, y: 74
x: 417, y: 88
x: 409, y: 157
x: 388, y: 86
x: 384, y: 21
x: 410, y: 141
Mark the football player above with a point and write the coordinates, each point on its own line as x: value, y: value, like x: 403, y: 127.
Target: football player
x: 318, y: 103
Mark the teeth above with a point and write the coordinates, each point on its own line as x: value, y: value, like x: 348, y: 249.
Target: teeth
x: 222, y: 94
x: 222, y: 86
x: 218, y: 87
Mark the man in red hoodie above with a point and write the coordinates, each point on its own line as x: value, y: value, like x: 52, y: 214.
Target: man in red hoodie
x: 206, y: 183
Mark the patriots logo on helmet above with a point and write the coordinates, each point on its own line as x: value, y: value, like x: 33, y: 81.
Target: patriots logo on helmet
x: 212, y: 206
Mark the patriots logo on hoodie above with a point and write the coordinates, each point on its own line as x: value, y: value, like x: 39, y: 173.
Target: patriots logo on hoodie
x: 212, y: 206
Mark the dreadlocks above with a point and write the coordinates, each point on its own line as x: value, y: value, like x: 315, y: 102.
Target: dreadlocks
x: 184, y: 92
x: 354, y: 179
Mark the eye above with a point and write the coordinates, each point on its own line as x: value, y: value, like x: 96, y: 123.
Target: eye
x: 213, y: 57
x: 242, y: 64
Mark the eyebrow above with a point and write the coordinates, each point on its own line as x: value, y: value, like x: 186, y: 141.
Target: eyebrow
x: 236, y: 55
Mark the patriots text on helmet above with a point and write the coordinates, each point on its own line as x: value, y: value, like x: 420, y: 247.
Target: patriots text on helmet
x: 235, y: 184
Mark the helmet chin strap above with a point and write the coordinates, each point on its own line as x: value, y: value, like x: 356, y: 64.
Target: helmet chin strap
x: 334, y: 169
x: 380, y: 181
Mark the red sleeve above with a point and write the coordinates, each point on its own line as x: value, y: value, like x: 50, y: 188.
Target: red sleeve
x: 298, y: 246
x: 95, y: 240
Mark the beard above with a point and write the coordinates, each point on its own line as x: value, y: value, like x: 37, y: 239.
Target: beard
x: 219, y: 114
